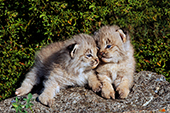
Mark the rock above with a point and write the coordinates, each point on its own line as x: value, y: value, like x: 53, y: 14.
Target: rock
x: 150, y: 93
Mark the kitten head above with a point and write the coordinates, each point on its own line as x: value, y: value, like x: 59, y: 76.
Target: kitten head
x: 83, y: 52
x: 112, y: 43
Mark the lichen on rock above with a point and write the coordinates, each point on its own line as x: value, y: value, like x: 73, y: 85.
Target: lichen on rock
x: 150, y: 92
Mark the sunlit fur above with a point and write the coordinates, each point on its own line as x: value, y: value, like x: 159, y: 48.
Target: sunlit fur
x: 117, y: 61
x: 62, y: 64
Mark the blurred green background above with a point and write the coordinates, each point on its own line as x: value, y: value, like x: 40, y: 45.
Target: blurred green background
x: 27, y: 25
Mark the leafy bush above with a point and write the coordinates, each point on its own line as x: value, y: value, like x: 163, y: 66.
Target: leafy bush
x: 28, y: 25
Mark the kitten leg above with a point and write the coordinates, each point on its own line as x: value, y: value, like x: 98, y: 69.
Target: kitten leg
x: 124, y: 87
x: 107, y: 88
x: 108, y: 91
x: 94, y: 83
x: 51, y: 88
x: 27, y: 84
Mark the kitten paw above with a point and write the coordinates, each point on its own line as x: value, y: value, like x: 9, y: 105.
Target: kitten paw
x: 46, y: 100
x: 96, y: 86
x: 123, y: 92
x: 108, y: 92
x: 22, y: 91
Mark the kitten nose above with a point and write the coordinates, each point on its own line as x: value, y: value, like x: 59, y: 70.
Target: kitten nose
x: 97, y: 60
x: 102, y: 53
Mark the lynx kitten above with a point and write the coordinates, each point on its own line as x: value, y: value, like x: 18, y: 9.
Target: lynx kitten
x: 117, y: 61
x: 62, y: 64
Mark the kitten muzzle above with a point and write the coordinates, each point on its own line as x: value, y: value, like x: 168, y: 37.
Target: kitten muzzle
x: 97, y: 60
x: 102, y: 53
x: 95, y: 63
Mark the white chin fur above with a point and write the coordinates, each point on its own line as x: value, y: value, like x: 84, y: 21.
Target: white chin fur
x: 106, y: 59
x: 94, y: 66
x: 109, y: 60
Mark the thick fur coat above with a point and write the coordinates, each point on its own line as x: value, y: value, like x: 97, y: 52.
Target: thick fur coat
x: 117, y: 61
x: 62, y: 64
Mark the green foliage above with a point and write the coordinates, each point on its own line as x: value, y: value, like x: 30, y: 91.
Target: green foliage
x: 19, y: 108
x: 28, y: 25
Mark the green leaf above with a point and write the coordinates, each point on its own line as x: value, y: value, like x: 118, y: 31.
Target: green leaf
x: 43, y: 14
x: 92, y: 5
x: 17, y: 99
x: 15, y: 105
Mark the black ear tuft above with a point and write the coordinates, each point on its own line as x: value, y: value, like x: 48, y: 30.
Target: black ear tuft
x: 72, y: 49
x: 96, y: 32
x: 126, y: 32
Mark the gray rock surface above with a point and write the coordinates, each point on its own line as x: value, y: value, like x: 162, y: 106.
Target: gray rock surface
x: 150, y: 93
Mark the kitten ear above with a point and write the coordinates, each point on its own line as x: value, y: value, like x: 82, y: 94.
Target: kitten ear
x: 95, y: 37
x: 122, y: 35
x: 73, y: 48
x: 96, y: 32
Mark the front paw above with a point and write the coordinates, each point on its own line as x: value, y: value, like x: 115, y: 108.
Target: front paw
x: 96, y: 86
x: 108, y: 91
x: 22, y: 91
x: 46, y: 100
x: 123, y: 91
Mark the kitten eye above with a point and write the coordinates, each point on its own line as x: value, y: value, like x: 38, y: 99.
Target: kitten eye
x: 89, y: 55
x: 108, y: 46
x: 98, y: 48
